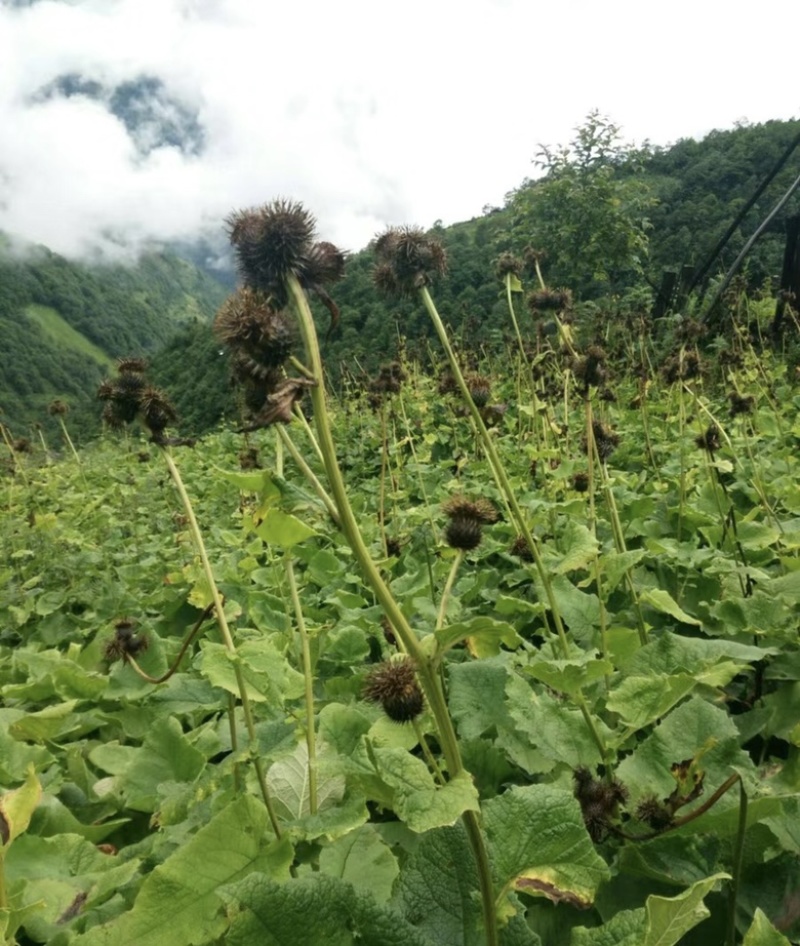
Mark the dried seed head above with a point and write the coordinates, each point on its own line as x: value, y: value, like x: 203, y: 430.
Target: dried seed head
x: 508, y: 263
x: 652, y: 812
x: 325, y: 264
x: 580, y: 481
x: 131, y: 365
x: 271, y: 242
x: 394, y: 685
x: 22, y: 445
x: 125, y: 643
x: 549, y: 300
x: 521, y: 549
x: 467, y: 518
x: 605, y: 439
x: 156, y: 411
x: 408, y: 260
x: 480, y: 389
x: 58, y: 408
x: 248, y: 323
x: 709, y: 440
x: 248, y: 459
x: 741, y: 404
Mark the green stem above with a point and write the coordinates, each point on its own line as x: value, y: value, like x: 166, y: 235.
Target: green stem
x: 514, y: 316
x: 427, y: 675
x: 69, y: 440
x: 738, y: 855
x: 311, y: 740
x: 448, y: 588
x: 227, y: 637
x: 309, y: 474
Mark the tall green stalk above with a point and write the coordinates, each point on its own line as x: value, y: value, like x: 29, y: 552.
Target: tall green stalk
x: 427, y: 674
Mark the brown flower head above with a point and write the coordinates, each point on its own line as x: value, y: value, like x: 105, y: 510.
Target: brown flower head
x: 407, y: 260
x: 653, y: 813
x: 58, y: 408
x: 590, y: 370
x: 131, y: 365
x: 580, y: 481
x: 394, y: 685
x: 521, y: 549
x: 156, y: 411
x: 599, y: 800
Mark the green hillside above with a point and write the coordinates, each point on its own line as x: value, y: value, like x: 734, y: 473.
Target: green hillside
x: 62, y: 325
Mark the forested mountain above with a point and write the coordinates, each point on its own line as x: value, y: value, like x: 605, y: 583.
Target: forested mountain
x: 609, y: 218
x: 62, y: 325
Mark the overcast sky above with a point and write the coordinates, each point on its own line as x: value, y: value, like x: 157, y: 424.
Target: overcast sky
x: 370, y: 113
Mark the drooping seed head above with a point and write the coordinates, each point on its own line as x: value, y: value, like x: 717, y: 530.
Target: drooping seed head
x: 394, y: 685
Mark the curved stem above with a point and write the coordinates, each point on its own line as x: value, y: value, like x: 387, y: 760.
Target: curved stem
x: 227, y: 637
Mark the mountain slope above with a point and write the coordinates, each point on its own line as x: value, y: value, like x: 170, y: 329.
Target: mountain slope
x: 63, y: 324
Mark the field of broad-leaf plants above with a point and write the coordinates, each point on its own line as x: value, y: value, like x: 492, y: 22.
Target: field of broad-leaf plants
x: 499, y: 653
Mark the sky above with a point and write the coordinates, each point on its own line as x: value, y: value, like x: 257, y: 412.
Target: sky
x: 129, y: 121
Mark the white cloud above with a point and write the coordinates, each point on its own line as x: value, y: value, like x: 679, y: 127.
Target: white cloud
x: 370, y: 114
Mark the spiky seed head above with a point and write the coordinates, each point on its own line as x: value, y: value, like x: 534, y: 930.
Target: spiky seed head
x: 22, y: 445
x: 248, y: 323
x: 394, y: 685
x: 607, y: 395
x: 580, y: 481
x: 709, y: 440
x: 653, y: 813
x: 156, y: 410
x: 605, y: 439
x: 105, y: 390
x: 125, y: 642
x: 521, y: 549
x: 549, y: 300
x: 271, y: 242
x: 531, y: 256
x: 58, y: 408
x: 741, y: 404
x: 131, y: 365
x: 508, y: 263
x: 463, y: 533
x: 414, y: 260
x: 325, y: 264
x: 480, y: 389
x: 248, y: 459
x: 480, y: 510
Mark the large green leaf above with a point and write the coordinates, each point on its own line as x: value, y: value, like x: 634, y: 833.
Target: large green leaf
x: 539, y: 845
x: 763, y: 933
x: 363, y: 859
x: 268, y: 675
x: 668, y: 918
x: 314, y: 910
x: 179, y: 901
x: 641, y: 700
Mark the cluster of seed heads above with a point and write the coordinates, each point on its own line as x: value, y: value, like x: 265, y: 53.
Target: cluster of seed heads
x: 681, y: 367
x: 589, y: 370
x: 549, y: 300
x: 129, y: 396
x: 599, y: 800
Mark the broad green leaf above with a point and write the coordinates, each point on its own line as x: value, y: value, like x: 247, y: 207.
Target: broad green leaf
x: 539, y: 845
x: 640, y: 700
x: 52, y: 818
x: 668, y: 918
x: 314, y: 910
x: 257, y: 481
x: 288, y: 781
x: 616, y: 564
x: 625, y: 928
x: 763, y: 933
x: 180, y: 897
x: 696, y: 727
x: 59, y: 872
x: 363, y: 859
x: 165, y: 756
x: 580, y: 548
x: 484, y: 636
x: 569, y: 676
x: 418, y: 800
x: 268, y: 675
x: 17, y: 807
x: 513, y: 282
x: 438, y: 892
x: 283, y: 529
x: 664, y: 602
